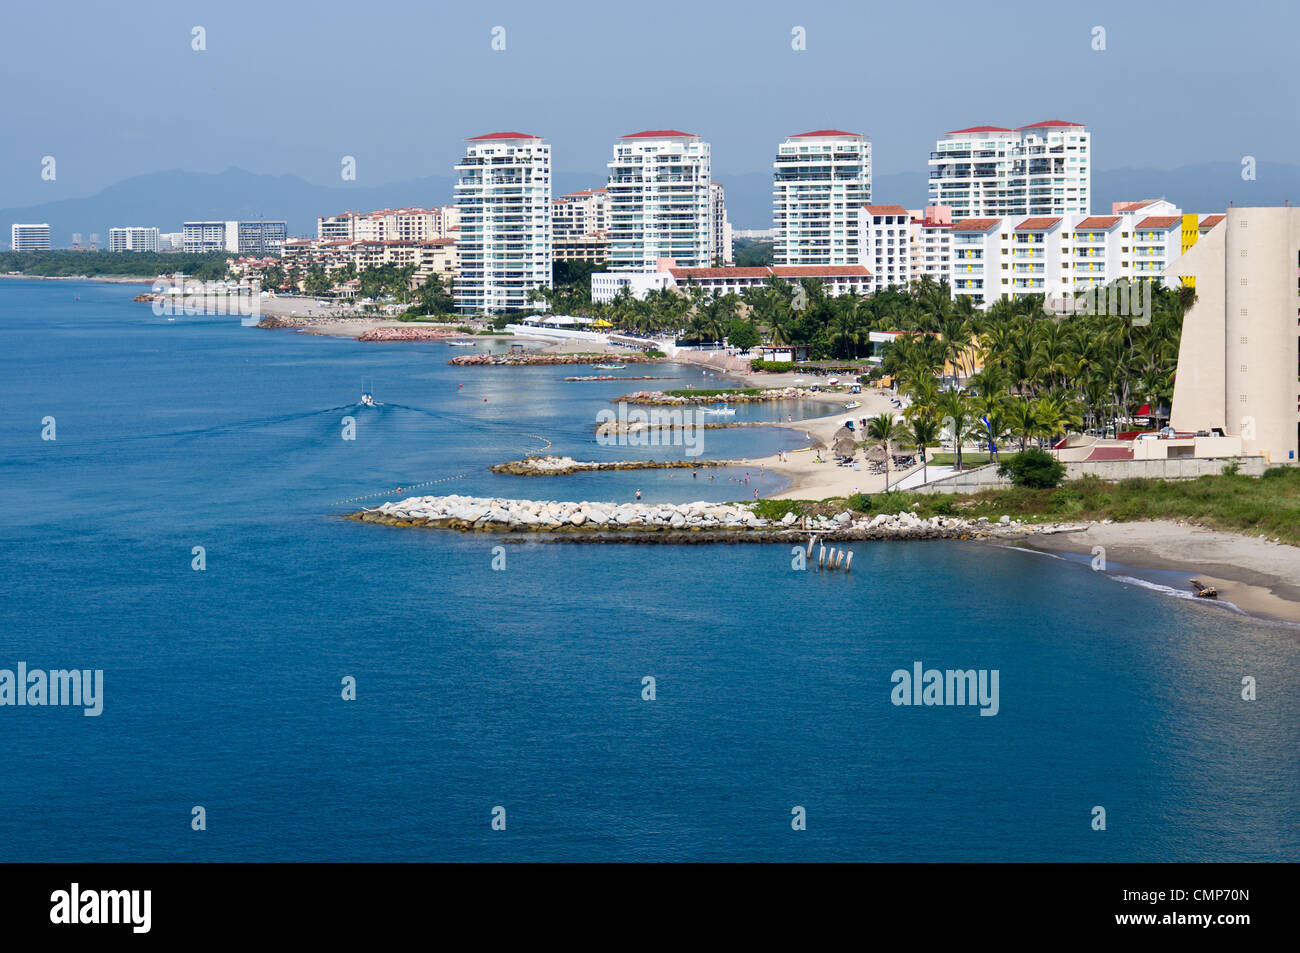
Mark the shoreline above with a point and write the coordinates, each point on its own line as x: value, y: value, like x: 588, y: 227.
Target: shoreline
x: 1260, y: 578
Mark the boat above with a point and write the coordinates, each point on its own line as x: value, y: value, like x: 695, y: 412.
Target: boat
x: 461, y: 343
x: 852, y: 404
x: 833, y: 381
x: 610, y: 367
x: 721, y: 410
x: 367, y: 399
x: 1203, y: 591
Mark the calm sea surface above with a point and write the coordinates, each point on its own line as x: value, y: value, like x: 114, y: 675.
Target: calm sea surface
x: 522, y: 688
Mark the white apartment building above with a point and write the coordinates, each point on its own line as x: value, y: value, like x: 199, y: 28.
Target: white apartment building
x: 931, y: 242
x: 29, y: 237
x: 1240, y: 349
x: 244, y: 238
x: 885, y: 233
x: 994, y: 172
x: 719, y: 227
x: 659, y: 185
x: 390, y: 225
x: 503, y: 193
x: 578, y: 214
x: 133, y: 238
x: 820, y: 181
x: 1012, y: 257
x: 835, y: 279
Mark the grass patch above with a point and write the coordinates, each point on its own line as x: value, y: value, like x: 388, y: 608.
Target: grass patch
x: 1264, y: 506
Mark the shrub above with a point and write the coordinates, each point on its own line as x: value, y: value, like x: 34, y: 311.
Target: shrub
x: 1280, y: 473
x: 775, y: 509
x: 943, y: 506
x: 1033, y: 468
x: 1231, y: 468
x: 860, y: 503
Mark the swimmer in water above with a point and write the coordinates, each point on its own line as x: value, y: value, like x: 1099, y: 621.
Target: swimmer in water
x: 638, y: 494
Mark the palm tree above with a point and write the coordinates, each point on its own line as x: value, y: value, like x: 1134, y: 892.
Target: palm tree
x: 883, y: 429
x: 1022, y: 417
x: 954, y: 410
x: 924, y: 430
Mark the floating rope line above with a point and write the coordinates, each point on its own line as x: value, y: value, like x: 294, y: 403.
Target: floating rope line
x: 402, y: 489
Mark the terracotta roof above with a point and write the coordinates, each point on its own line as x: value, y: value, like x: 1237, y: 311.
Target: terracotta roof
x: 1132, y: 206
x: 885, y: 209
x: 821, y: 271
x: 976, y: 224
x: 1051, y: 123
x: 823, y: 134
x: 1110, y: 453
x: 502, y: 135
x: 681, y: 274
x: 1211, y: 220
x: 659, y: 134
x: 1037, y: 224
x: 1098, y: 221
x: 957, y: 132
x: 1159, y: 221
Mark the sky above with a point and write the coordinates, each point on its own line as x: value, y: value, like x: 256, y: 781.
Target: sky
x: 113, y: 90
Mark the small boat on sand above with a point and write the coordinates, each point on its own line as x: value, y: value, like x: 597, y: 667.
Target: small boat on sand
x: 852, y: 404
x: 1203, y: 591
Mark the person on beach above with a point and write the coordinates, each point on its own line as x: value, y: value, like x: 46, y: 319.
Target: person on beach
x: 638, y: 494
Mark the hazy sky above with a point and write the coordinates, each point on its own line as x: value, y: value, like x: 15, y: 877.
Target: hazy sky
x: 113, y: 90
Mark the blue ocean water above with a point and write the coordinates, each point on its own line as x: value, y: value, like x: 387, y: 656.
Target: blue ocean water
x: 522, y: 688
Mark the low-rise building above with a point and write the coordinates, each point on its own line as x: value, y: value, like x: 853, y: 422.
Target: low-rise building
x: 29, y: 237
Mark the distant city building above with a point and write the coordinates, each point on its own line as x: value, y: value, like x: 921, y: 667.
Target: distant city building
x: 930, y: 242
x: 171, y: 241
x: 244, y: 238
x: 993, y: 172
x: 436, y: 256
x: 820, y: 181
x: 659, y: 207
x: 389, y: 224
x: 132, y: 238
x: 754, y: 234
x: 1239, y: 349
x: 503, y: 193
x: 29, y: 237
x: 719, y: 227
x: 579, y: 224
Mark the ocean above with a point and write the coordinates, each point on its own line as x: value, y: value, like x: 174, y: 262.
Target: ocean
x: 516, y: 693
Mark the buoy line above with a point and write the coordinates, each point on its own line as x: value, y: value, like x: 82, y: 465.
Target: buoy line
x: 402, y: 489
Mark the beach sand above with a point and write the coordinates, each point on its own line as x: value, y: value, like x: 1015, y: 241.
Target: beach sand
x: 1257, y: 576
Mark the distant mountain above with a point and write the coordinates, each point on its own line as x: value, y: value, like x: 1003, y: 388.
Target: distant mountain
x: 166, y: 199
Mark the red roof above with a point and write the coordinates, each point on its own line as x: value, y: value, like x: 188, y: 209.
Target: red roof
x: 680, y: 274
x: 822, y: 133
x: 885, y: 209
x: 1110, y: 453
x: 1211, y: 220
x: 502, y: 135
x: 1098, y: 221
x: 1037, y: 224
x: 957, y: 132
x: 1052, y: 123
x: 821, y: 271
x: 659, y: 134
x: 1159, y: 221
x: 975, y: 224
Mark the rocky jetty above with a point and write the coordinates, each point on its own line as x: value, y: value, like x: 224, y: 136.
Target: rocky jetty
x: 611, y: 377
x: 408, y: 334
x: 558, y: 466
x: 658, y: 397
x: 532, y: 357
x: 677, y: 522
x: 612, y: 427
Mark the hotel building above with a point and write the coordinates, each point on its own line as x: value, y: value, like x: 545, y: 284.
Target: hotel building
x: 580, y: 225
x: 993, y: 172
x: 1239, y: 354
x: 390, y: 224
x: 503, y: 193
x: 719, y: 227
x: 820, y: 181
x: 243, y: 238
x: 659, y: 201
x: 885, y: 233
x: 29, y: 237
x: 835, y: 279
x: 133, y: 238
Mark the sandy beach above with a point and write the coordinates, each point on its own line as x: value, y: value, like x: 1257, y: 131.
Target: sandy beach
x: 1257, y: 576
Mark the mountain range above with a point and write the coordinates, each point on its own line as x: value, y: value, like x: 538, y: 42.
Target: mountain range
x: 166, y: 199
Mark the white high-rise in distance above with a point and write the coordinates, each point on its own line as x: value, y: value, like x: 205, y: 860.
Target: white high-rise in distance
x: 821, y: 180
x: 659, y: 185
x: 29, y: 237
x: 504, y: 196
x: 994, y: 172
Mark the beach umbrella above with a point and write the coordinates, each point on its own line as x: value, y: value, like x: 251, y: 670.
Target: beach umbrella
x: 845, y: 447
x: 876, y: 453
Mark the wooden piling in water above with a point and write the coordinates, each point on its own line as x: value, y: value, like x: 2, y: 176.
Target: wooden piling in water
x: 848, y: 563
